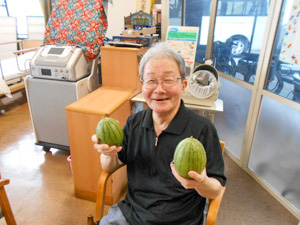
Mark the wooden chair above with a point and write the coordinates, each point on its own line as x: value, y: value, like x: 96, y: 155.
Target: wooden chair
x: 4, y: 204
x: 213, y: 204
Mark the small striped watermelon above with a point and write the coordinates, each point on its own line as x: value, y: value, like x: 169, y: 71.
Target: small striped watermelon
x: 109, y: 132
x: 189, y: 155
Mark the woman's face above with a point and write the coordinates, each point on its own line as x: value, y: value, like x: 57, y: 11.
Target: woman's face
x: 163, y: 98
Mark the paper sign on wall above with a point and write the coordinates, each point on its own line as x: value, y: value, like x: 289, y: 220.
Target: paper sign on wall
x: 144, y: 5
x: 184, y: 40
x: 290, y: 50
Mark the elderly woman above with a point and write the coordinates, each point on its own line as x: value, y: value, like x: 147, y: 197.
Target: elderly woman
x: 157, y: 194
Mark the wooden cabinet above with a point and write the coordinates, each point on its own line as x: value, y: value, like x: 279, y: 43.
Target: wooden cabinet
x: 120, y: 82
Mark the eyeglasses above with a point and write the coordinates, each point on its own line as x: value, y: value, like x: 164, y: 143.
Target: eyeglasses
x: 166, y: 82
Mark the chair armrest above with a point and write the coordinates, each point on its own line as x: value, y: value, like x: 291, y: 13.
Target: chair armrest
x: 4, y: 204
x: 222, y: 143
x: 213, y: 208
x: 3, y: 182
x: 10, y: 42
x: 21, y: 53
x: 100, y: 199
x: 26, y: 50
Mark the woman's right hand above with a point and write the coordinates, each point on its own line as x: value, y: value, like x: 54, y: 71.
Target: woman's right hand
x: 104, y: 148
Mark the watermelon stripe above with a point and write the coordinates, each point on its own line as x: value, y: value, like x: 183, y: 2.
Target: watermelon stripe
x: 102, y: 133
x: 189, y: 155
x: 110, y: 134
x: 104, y: 127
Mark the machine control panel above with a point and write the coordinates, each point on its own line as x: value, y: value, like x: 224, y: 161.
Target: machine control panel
x: 57, y: 73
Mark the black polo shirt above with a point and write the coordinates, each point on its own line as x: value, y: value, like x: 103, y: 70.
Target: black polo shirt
x: 154, y: 195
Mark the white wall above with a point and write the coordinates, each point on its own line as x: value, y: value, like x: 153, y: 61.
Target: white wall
x: 116, y: 13
x: 164, y: 19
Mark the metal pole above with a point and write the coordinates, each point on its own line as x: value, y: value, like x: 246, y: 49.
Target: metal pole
x: 6, y: 8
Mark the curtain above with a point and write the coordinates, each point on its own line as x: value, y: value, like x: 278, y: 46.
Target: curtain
x: 46, y: 7
x: 77, y: 22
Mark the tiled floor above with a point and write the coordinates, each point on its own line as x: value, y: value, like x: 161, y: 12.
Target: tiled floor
x: 41, y: 188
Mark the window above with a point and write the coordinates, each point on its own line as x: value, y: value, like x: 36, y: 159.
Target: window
x: 22, y: 9
x: 242, y: 8
x: 175, y: 12
x: 284, y: 77
x: 238, y: 36
x: 240, y: 25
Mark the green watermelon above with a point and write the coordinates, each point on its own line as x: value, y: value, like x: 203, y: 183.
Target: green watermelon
x: 109, y: 132
x: 189, y: 155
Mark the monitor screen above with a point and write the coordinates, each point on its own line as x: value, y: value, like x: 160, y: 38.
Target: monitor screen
x: 46, y: 72
x: 56, y: 51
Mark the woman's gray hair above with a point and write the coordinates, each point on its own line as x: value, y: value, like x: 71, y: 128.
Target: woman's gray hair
x: 162, y: 50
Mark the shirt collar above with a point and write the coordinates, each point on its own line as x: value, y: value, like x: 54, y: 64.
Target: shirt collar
x: 176, y: 126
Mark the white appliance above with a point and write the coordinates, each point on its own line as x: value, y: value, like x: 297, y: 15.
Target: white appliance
x: 203, y: 85
x: 49, y: 91
x: 60, y: 62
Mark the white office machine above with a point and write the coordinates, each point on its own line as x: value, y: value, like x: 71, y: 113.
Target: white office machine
x: 60, y: 75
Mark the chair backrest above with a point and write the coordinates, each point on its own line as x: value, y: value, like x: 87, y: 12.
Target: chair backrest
x: 35, y: 27
x: 8, y: 33
x: 28, y: 44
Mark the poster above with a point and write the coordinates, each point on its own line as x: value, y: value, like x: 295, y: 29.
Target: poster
x: 184, y: 40
x: 144, y: 5
x: 290, y: 49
